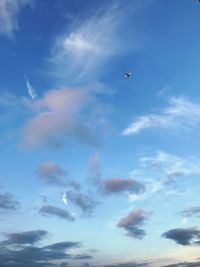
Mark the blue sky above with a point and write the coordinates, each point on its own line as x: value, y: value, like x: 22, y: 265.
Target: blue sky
x: 98, y: 170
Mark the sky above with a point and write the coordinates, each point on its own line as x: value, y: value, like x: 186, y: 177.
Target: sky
x: 99, y: 170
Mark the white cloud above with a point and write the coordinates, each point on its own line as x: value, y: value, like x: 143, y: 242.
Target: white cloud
x: 9, y: 10
x: 181, y: 114
x: 160, y: 172
x: 172, y: 166
x: 90, y: 43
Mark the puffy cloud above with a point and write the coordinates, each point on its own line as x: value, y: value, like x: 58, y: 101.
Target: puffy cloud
x: 181, y: 114
x: 58, y: 116
x: 54, y: 211
x: 119, y: 185
x: 8, y: 202
x: 9, y: 11
x: 132, y: 222
x: 51, y: 172
x: 184, y: 236
x: 29, y: 237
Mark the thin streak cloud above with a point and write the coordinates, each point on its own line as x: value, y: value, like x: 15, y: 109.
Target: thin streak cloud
x: 181, y: 114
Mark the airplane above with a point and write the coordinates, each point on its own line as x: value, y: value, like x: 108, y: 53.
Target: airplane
x: 127, y: 75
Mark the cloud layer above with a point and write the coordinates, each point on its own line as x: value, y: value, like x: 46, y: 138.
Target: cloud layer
x: 18, y: 251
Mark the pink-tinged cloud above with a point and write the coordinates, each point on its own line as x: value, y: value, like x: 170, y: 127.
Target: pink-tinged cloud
x: 132, y: 222
x: 51, y: 172
x: 58, y: 115
x: 119, y: 185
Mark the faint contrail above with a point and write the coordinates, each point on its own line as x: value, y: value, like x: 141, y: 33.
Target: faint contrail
x: 30, y: 88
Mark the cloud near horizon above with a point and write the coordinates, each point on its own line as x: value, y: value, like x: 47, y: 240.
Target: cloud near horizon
x: 18, y: 251
x: 29, y: 237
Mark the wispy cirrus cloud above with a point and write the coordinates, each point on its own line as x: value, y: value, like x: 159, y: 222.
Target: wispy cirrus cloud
x: 132, y: 223
x: 9, y: 11
x: 181, y: 114
x: 171, y: 165
x: 164, y: 170
x: 91, y: 42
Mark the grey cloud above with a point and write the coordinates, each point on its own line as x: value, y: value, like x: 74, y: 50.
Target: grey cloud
x: 24, y: 254
x: 132, y: 222
x: 29, y: 237
x: 84, y: 202
x: 184, y: 236
x: 8, y: 202
x: 58, y: 116
x: 54, y: 211
x: 61, y: 246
